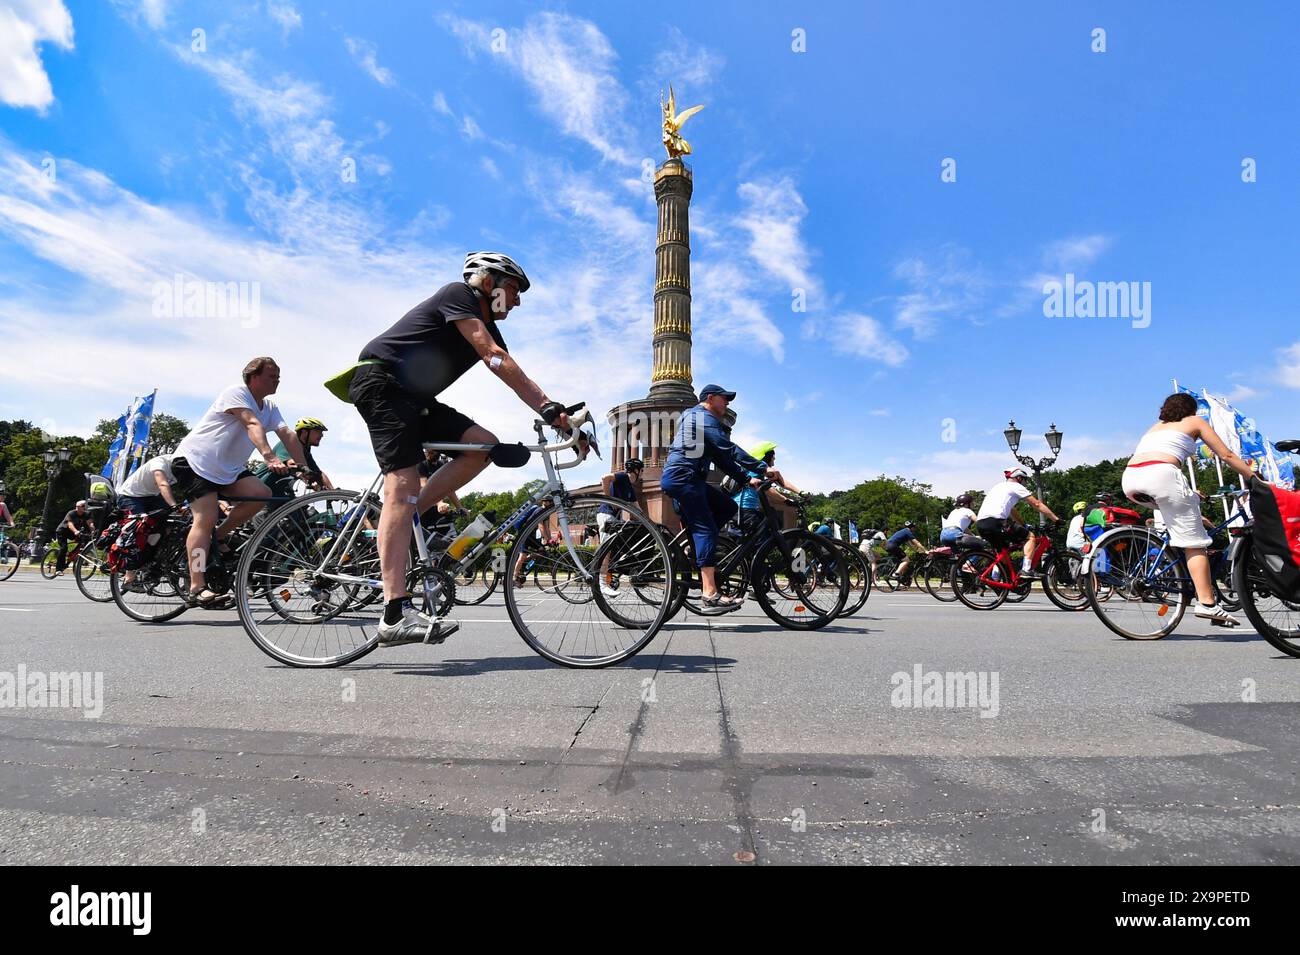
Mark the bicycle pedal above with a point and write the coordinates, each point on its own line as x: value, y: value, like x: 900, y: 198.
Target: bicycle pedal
x: 440, y: 631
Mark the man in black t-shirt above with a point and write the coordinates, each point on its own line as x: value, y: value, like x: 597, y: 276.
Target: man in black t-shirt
x: 396, y: 391
x: 76, y: 525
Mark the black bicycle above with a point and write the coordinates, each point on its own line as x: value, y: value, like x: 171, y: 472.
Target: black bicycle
x: 800, y: 579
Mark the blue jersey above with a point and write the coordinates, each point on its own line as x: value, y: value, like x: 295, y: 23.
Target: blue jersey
x: 523, y: 518
x: 900, y: 538
x: 747, y: 499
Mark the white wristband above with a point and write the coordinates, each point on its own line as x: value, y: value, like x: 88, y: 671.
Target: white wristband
x: 494, y: 362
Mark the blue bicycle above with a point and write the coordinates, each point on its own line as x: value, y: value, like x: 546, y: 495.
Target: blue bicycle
x: 1138, y: 583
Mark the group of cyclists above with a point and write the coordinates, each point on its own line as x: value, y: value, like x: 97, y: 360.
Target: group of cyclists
x: 396, y: 383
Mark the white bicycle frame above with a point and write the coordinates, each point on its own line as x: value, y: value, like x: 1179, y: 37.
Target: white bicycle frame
x: 553, y: 488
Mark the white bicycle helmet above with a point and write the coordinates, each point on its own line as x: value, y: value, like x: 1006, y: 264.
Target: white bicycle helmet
x: 496, y: 262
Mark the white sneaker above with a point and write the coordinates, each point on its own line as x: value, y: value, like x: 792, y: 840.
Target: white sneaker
x: 608, y: 591
x: 414, y: 627
x: 1216, y: 615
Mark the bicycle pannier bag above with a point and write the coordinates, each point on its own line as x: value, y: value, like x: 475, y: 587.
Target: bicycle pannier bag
x: 135, y: 543
x: 1277, y: 536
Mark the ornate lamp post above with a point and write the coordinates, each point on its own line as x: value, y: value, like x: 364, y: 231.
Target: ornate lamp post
x: 1012, y: 434
x: 54, y: 462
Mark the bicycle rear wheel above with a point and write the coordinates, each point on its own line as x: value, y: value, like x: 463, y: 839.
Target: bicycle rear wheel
x: 613, y: 623
x: 9, y: 559
x: 1275, y: 619
x: 936, y: 577
x: 807, y: 592
x: 92, y: 576
x: 303, y: 600
x: 159, y: 588
x: 974, y: 579
x: 1147, y: 597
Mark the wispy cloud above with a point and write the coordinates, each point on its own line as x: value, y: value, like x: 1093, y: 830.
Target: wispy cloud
x: 25, y: 25
x: 285, y: 15
x: 570, y: 66
x: 1288, y: 366
x: 686, y: 64
x: 366, y: 55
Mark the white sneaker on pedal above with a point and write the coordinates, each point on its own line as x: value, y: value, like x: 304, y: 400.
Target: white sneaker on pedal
x: 414, y: 627
x: 1216, y: 615
x: 608, y: 591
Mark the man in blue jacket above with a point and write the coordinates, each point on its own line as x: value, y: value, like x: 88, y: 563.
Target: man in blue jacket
x: 703, y: 439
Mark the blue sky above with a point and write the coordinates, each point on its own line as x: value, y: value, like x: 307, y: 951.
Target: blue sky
x: 816, y: 170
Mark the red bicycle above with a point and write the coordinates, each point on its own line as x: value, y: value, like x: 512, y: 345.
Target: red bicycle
x: 984, y: 580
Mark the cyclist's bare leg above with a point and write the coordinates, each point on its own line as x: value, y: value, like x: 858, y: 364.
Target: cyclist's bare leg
x: 400, y: 487
x: 241, y: 512
x: 1031, y: 544
x: 709, y: 581
x: 205, y: 512
x: 1198, y: 565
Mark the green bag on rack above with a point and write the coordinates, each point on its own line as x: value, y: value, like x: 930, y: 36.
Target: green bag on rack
x: 339, y: 384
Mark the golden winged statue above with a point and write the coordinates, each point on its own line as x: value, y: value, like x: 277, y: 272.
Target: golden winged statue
x: 673, y: 122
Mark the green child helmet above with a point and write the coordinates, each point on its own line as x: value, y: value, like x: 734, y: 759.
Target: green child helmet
x: 760, y: 450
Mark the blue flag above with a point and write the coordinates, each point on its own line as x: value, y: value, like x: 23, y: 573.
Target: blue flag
x: 853, y: 533
x: 116, y: 449
x: 138, y: 429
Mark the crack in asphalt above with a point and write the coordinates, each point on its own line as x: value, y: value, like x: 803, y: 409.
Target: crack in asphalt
x: 616, y: 785
x: 738, y: 786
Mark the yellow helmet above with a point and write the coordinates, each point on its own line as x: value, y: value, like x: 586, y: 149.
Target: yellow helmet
x: 314, y: 423
x: 761, y: 449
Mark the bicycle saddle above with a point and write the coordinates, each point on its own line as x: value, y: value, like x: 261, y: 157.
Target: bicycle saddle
x: 1288, y: 445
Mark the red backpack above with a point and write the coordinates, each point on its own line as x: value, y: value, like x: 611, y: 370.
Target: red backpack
x: 1277, y: 536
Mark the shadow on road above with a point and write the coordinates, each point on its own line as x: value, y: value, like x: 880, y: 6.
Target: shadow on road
x: 647, y: 661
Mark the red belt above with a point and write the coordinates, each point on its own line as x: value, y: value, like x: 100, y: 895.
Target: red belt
x: 1147, y: 464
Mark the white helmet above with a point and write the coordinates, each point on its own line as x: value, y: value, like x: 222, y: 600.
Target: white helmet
x: 496, y: 262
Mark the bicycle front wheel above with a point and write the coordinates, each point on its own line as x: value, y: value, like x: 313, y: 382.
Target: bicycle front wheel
x: 859, y: 579
x: 607, y: 601
x: 1061, y: 583
x: 806, y: 592
x: 9, y: 560
x: 50, y: 565
x: 93, y: 577
x: 1134, y: 586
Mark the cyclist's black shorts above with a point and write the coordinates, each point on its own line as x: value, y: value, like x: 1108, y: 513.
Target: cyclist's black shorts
x: 397, y: 420
x: 191, y: 486
x: 1002, y: 533
x: 895, y: 552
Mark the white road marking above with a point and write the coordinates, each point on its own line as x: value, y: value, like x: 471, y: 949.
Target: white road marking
x: 17, y: 609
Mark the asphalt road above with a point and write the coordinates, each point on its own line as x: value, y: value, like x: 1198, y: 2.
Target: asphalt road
x: 725, y: 737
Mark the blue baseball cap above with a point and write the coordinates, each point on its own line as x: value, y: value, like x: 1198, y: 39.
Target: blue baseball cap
x: 716, y: 390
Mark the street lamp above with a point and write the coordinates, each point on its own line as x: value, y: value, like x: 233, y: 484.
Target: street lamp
x: 54, y: 462
x: 1053, y: 437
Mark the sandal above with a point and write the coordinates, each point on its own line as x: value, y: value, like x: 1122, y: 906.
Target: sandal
x: 203, y: 599
x: 718, y: 604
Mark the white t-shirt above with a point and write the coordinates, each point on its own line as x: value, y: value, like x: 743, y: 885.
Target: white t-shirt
x: 1002, y: 499
x: 961, y: 518
x: 217, y: 448
x: 1074, y: 536
x: 141, y: 483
